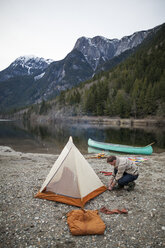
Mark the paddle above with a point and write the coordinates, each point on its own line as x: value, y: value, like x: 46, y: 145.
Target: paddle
x: 151, y: 144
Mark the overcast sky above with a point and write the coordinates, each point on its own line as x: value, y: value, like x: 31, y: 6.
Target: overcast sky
x: 50, y: 28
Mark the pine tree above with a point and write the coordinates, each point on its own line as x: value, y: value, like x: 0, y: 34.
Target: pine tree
x: 148, y: 107
x: 43, y: 108
x: 62, y: 98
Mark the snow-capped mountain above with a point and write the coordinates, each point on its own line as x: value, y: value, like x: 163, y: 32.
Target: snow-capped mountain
x: 25, y: 65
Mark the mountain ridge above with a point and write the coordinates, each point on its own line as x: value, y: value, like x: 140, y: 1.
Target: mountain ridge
x: 48, y: 78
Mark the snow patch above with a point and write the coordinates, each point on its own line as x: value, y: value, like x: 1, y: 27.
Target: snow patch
x: 39, y: 76
x: 23, y: 60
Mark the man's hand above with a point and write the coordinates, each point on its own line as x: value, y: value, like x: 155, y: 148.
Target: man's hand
x: 111, y: 184
x: 110, y: 187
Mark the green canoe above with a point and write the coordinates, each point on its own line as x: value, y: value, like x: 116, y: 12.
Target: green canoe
x: 147, y: 150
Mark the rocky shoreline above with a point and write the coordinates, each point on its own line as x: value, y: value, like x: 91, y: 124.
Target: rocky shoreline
x: 31, y: 222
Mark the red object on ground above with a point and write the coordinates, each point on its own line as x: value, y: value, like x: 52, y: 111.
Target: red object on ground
x: 106, y: 173
x: 114, y: 211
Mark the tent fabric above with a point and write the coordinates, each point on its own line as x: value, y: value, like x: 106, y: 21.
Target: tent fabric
x: 84, y: 222
x: 69, y: 200
x: 71, y: 179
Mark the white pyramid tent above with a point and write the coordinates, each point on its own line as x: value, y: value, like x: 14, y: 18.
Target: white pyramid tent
x: 71, y: 179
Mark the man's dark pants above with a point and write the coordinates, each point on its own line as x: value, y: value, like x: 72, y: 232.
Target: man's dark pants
x: 126, y: 178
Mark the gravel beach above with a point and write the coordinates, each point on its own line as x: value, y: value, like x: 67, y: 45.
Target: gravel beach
x: 31, y: 222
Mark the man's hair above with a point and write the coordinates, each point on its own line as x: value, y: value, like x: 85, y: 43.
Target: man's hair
x: 111, y: 159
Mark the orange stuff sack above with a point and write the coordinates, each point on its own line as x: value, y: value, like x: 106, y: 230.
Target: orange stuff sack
x: 84, y: 222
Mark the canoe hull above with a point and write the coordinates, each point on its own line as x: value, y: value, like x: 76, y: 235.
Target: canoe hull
x: 146, y: 150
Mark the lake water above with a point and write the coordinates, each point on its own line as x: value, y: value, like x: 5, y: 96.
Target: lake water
x: 52, y: 138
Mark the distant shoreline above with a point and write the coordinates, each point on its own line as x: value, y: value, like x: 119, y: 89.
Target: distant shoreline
x: 103, y: 120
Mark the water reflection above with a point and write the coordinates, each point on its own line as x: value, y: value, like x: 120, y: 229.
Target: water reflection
x: 52, y: 138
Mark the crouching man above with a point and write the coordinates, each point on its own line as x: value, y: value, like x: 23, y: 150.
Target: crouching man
x: 125, y: 172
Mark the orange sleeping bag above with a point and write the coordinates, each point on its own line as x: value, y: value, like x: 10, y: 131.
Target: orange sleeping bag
x: 84, y: 222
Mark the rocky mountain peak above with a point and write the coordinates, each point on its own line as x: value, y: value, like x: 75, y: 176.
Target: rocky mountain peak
x: 99, y: 48
x: 94, y: 49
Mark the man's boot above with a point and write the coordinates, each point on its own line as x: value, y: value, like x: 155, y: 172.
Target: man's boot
x: 119, y: 187
x: 131, y: 186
